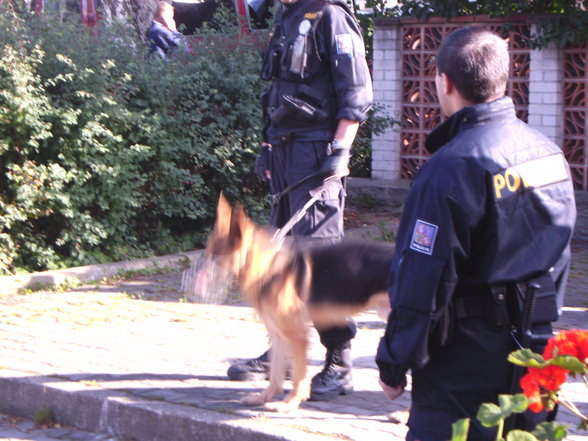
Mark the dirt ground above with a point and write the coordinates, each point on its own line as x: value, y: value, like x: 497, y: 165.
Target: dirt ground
x: 359, y: 214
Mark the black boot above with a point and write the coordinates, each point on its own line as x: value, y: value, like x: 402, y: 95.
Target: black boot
x: 335, y: 378
x: 254, y: 369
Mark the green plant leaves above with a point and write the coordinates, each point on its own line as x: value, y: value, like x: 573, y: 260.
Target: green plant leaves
x: 520, y: 435
x: 491, y: 414
x: 527, y: 358
x: 460, y: 430
x: 550, y: 431
x: 569, y: 363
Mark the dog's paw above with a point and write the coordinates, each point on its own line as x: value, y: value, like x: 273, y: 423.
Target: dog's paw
x: 281, y: 406
x: 255, y: 399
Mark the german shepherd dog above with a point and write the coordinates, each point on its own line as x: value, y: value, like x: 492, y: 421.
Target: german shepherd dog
x: 290, y: 287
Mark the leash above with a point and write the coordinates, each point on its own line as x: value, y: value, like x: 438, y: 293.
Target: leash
x: 281, y: 233
x: 275, y: 198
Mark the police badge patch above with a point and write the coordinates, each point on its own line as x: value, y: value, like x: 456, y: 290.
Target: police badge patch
x: 344, y: 44
x: 423, y: 237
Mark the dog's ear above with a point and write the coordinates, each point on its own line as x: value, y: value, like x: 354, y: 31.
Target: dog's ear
x: 223, y: 215
x: 238, y: 218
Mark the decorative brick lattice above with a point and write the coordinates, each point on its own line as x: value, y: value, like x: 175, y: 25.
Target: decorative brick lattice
x: 420, y: 110
x: 575, y: 108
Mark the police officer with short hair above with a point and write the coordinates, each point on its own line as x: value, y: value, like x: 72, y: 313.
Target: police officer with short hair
x: 320, y: 91
x: 492, y: 209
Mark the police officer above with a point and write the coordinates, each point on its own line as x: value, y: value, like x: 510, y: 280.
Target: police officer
x: 492, y: 209
x: 320, y: 91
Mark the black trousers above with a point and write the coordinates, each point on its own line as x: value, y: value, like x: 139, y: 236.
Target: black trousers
x: 323, y: 222
x: 471, y: 369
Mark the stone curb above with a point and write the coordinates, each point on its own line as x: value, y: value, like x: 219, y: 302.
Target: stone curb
x: 90, y: 273
x: 120, y: 415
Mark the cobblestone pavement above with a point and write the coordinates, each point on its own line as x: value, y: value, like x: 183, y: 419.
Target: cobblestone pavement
x: 136, y: 360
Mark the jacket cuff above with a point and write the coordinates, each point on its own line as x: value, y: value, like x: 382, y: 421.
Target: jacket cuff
x: 392, y: 375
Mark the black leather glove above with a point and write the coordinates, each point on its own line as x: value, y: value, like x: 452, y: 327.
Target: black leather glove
x: 262, y: 163
x: 337, y: 163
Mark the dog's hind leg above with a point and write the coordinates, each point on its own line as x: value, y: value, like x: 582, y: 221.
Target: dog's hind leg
x: 278, y: 366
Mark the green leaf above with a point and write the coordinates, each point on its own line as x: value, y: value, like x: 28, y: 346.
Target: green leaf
x: 570, y: 363
x: 520, y: 435
x: 459, y: 430
x: 550, y: 431
x: 510, y: 404
x: 527, y: 358
x: 490, y: 414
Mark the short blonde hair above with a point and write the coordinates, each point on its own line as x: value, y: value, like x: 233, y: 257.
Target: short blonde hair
x: 162, y: 6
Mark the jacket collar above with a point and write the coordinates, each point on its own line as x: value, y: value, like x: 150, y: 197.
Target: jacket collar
x: 466, y: 117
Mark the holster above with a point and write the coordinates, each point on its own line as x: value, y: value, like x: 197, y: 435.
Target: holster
x: 296, y: 108
x: 545, y: 308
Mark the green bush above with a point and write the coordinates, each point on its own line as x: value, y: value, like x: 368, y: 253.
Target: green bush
x: 106, y: 155
x: 560, y: 21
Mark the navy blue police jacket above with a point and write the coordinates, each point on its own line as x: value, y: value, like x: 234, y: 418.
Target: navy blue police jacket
x: 494, y: 204
x: 326, y: 70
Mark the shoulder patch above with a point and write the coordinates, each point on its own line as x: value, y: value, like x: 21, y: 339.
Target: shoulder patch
x: 344, y: 44
x: 311, y: 15
x: 423, y: 237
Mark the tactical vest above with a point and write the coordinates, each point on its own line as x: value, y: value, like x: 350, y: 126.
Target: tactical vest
x: 301, y: 95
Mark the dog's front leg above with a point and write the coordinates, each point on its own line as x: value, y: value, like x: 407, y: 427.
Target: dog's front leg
x: 278, y: 365
x: 301, y: 383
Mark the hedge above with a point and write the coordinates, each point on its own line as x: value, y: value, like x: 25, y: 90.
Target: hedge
x: 106, y: 155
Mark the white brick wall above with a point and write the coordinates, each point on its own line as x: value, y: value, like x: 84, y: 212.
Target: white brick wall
x: 545, y: 92
x: 387, y: 92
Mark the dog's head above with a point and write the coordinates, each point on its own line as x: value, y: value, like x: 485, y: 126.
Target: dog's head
x: 233, y: 236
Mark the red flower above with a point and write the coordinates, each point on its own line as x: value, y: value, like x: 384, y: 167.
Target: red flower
x: 573, y: 342
x: 530, y: 385
x: 551, y: 377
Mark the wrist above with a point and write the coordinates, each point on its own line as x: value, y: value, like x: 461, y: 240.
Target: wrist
x: 337, y: 144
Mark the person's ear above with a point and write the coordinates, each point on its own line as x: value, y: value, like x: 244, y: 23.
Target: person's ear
x: 446, y: 83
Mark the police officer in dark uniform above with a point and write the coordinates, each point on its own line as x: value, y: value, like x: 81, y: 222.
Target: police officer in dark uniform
x: 492, y: 209
x: 320, y: 91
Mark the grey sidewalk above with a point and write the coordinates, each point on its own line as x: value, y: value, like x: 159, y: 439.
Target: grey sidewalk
x: 133, y: 360
x: 155, y: 370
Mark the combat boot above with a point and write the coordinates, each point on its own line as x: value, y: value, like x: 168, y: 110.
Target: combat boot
x: 253, y: 369
x: 335, y: 378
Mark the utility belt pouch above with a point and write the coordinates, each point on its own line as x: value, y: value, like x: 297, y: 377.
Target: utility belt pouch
x: 270, y: 67
x: 278, y: 114
x: 496, y: 310
x: 490, y: 304
x: 298, y: 56
x: 545, y: 308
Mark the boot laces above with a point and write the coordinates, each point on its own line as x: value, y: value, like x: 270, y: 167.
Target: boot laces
x: 332, y: 359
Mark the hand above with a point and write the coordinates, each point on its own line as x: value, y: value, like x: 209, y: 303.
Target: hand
x: 393, y: 392
x: 262, y: 163
x: 337, y: 163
